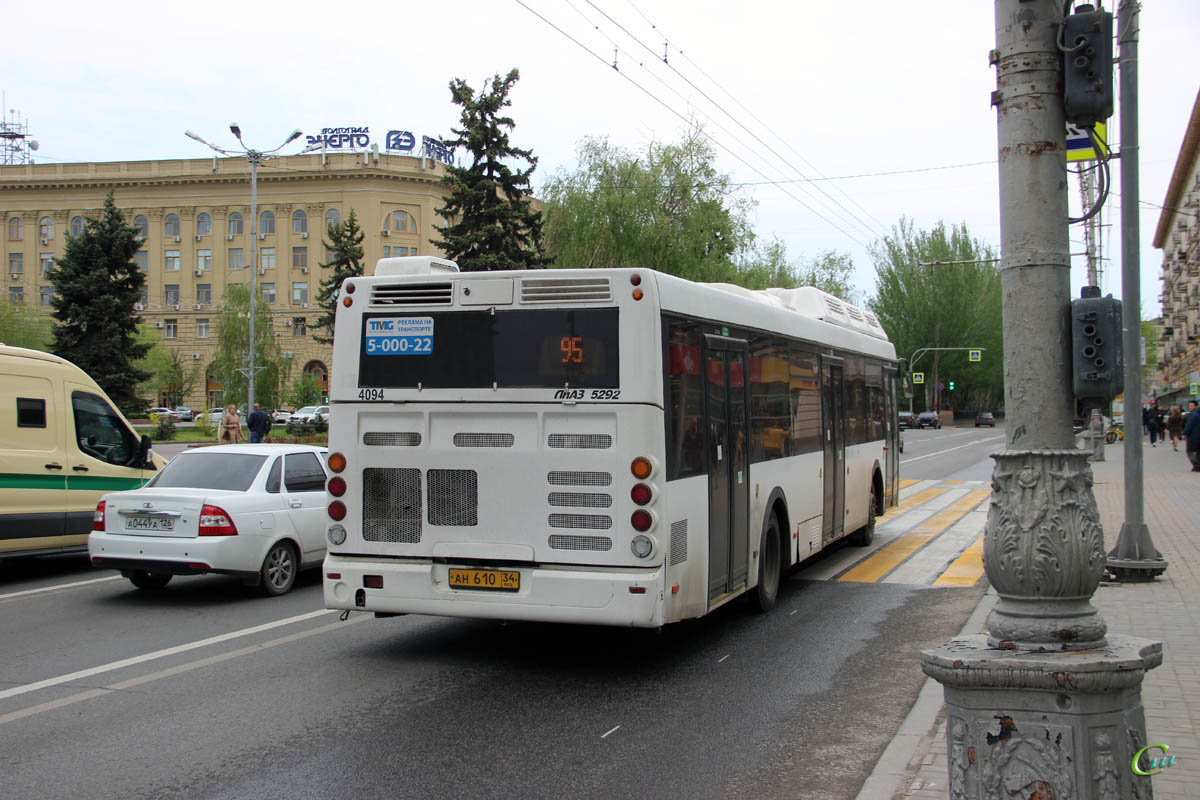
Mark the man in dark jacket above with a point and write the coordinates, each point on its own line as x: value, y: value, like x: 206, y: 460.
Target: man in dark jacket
x: 1191, y: 432
x: 259, y: 423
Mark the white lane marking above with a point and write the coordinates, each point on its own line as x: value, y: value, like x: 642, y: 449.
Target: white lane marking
x: 614, y: 730
x: 722, y: 658
x: 59, y: 586
x: 952, y: 449
x: 170, y: 671
x: 170, y: 651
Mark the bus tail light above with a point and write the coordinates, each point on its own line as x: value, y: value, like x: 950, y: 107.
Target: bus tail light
x: 337, y: 486
x: 98, y: 517
x: 641, y: 520
x: 337, y: 510
x: 337, y: 462
x: 641, y: 468
x: 641, y: 494
x: 215, y: 522
x: 642, y: 546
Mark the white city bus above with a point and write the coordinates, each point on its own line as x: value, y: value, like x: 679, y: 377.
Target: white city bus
x: 607, y: 446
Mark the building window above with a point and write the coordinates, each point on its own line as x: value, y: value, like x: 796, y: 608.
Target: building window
x: 47, y: 263
x: 266, y: 222
x: 171, y: 225
x: 204, y: 293
x: 16, y: 263
x: 399, y: 251
x: 204, y: 259
x: 266, y: 258
x: 299, y: 222
x: 173, y: 261
x: 235, y: 224
x: 333, y: 217
x: 299, y: 256
x: 142, y: 259
x: 300, y: 326
x: 170, y: 328
x: 16, y: 295
x: 299, y: 293
x: 236, y: 260
x: 171, y: 294
x: 143, y: 227
x: 398, y: 221
x: 76, y: 226
x: 268, y: 293
x: 14, y: 228
x: 46, y: 228
x: 201, y: 329
x: 47, y: 293
x: 144, y: 295
x: 203, y: 224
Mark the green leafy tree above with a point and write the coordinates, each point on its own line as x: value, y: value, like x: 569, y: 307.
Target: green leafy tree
x: 345, y: 259
x: 22, y: 326
x: 1151, y: 330
x: 941, y: 288
x: 172, y: 377
x: 233, y: 337
x: 493, y: 222
x: 768, y: 266
x: 667, y: 208
x: 96, y: 284
x: 305, y: 391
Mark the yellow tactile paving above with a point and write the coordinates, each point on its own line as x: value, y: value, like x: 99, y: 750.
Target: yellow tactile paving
x: 912, y: 502
x: 966, y: 569
x: 909, y: 482
x: 888, y: 558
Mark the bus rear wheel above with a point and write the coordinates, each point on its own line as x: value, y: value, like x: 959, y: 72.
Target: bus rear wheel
x: 866, y: 534
x: 770, y: 568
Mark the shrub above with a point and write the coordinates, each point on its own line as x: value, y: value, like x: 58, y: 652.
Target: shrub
x: 205, y: 425
x: 164, y: 428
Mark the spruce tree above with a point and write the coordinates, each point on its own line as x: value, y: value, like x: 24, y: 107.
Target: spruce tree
x: 96, y: 284
x: 492, y: 223
x: 345, y: 252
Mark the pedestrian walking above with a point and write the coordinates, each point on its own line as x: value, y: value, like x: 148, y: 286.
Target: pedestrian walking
x: 1175, y: 426
x: 1191, y: 432
x: 231, y: 427
x: 259, y: 423
x: 1153, y: 418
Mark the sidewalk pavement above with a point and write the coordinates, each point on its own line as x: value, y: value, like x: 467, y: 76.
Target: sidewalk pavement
x: 915, y: 764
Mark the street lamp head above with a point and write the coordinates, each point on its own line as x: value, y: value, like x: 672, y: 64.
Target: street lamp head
x: 295, y: 135
x: 237, y: 131
x: 194, y: 135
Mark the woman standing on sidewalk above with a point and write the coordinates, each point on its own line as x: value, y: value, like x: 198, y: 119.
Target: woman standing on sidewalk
x: 1175, y: 426
x: 231, y: 427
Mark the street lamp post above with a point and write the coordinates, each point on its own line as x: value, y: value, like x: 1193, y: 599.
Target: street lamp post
x: 254, y: 157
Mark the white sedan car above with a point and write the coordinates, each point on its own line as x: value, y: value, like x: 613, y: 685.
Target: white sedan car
x: 252, y: 510
x: 309, y: 413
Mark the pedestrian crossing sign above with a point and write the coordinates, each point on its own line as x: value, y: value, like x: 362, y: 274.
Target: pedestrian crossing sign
x: 974, y: 355
x: 1194, y: 389
x: 1079, y: 144
x: 918, y: 377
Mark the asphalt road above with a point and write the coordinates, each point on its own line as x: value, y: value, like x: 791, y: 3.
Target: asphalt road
x: 207, y: 691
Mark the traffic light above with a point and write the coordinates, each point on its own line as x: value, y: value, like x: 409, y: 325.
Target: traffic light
x: 1098, y: 361
x: 952, y: 386
x: 1087, y: 66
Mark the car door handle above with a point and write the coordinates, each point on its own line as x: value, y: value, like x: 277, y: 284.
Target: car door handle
x: 296, y: 503
x: 79, y: 468
x: 54, y: 466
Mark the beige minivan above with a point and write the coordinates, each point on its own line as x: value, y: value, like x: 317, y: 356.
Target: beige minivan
x: 62, y: 445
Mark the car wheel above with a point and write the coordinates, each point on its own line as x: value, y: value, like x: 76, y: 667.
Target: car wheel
x: 770, y: 562
x: 866, y: 534
x: 150, y: 581
x: 278, y: 571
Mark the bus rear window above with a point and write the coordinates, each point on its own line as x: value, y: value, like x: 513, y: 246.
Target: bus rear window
x: 543, y: 348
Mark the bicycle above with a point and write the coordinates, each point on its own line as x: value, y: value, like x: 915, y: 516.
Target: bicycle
x: 1115, y: 432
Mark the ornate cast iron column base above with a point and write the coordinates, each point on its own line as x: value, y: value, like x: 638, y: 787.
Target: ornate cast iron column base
x: 1047, y: 725
x: 1044, y: 552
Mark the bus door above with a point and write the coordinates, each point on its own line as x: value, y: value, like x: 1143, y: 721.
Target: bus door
x: 891, y: 428
x: 726, y: 418
x: 833, y: 437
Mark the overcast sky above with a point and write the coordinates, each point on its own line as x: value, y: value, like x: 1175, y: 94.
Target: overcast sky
x: 790, y: 91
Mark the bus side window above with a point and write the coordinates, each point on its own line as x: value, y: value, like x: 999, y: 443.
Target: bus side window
x: 685, y: 407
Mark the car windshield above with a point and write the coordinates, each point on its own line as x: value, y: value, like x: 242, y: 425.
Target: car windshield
x: 209, y: 470
x: 307, y: 410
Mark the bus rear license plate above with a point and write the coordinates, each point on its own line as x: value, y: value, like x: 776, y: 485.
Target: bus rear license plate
x: 496, y: 580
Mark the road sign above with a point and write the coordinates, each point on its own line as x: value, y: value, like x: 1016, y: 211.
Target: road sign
x: 974, y: 355
x: 941, y: 386
x: 918, y: 377
x: 1079, y: 146
x: 1194, y: 389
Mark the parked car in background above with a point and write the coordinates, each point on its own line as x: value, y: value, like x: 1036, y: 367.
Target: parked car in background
x: 169, y: 413
x: 184, y: 413
x: 906, y: 419
x: 256, y: 511
x: 929, y: 419
x: 280, y: 416
x: 985, y: 418
x: 310, y: 413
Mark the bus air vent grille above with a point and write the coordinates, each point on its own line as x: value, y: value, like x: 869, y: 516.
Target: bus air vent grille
x: 389, y: 439
x: 560, y: 290
x: 580, y: 500
x: 581, y: 441
x: 453, y: 497
x: 560, y: 542
x: 392, y: 505
x: 678, y: 542
x: 484, y: 440
x: 412, y: 294
x: 579, y: 478
x: 596, y: 522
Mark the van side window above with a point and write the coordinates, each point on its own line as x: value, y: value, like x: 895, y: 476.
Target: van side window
x: 99, y: 432
x: 302, y: 472
x: 31, y: 412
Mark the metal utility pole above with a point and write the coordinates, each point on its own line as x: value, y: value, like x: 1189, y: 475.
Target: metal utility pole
x: 255, y: 157
x: 1046, y: 703
x: 1094, y: 436
x: 1134, y: 558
